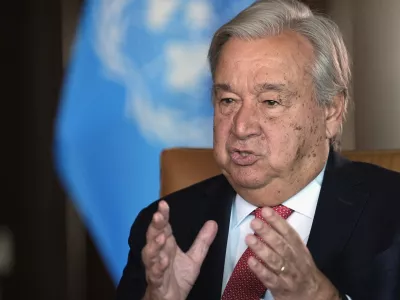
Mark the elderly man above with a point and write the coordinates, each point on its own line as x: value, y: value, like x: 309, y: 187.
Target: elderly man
x: 289, y: 218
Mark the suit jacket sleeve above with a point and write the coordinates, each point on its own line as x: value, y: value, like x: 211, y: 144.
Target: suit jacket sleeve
x: 133, y: 284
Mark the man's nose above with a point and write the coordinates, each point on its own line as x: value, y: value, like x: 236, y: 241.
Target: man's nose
x: 246, y: 122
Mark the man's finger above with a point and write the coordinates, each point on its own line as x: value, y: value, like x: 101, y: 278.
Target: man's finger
x: 269, y: 257
x: 272, y: 238
x: 158, y: 269
x: 153, y: 232
x: 281, y: 226
x: 163, y: 208
x: 151, y: 252
x: 269, y: 279
x: 202, y: 243
x: 155, y: 273
x: 159, y: 221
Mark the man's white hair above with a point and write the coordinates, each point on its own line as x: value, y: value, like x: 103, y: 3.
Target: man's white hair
x: 331, y: 69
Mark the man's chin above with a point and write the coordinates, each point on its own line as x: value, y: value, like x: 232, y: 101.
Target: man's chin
x: 246, y: 180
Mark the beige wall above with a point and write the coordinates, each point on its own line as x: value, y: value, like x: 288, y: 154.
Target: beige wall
x: 341, y: 12
x: 377, y: 73
x: 371, y: 30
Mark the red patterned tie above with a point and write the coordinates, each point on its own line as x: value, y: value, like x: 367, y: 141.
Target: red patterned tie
x: 243, y: 284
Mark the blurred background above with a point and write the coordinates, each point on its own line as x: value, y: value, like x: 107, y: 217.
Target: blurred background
x: 97, y: 88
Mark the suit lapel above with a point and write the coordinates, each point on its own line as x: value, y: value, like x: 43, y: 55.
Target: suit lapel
x: 340, y: 204
x: 219, y: 196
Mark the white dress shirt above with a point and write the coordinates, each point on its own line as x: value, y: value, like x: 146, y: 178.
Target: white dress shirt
x: 303, y: 204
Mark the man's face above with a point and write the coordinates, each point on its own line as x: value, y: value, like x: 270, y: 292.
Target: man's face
x: 267, y: 124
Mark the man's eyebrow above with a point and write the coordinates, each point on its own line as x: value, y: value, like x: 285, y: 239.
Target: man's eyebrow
x: 259, y: 88
x: 266, y: 87
x: 222, y: 86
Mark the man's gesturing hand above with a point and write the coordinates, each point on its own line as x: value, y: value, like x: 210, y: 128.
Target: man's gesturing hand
x: 288, y: 269
x: 171, y: 273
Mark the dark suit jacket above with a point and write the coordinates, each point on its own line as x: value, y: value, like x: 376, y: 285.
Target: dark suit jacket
x: 354, y: 239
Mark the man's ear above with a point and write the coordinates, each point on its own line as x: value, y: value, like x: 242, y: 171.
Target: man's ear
x: 334, y: 115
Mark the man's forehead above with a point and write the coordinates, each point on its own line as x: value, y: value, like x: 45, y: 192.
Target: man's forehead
x: 285, y: 48
x: 268, y: 64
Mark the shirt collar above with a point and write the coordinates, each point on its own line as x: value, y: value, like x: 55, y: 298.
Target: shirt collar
x: 304, y: 202
x: 241, y: 209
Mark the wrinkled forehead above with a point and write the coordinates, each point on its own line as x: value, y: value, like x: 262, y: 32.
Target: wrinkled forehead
x: 283, y: 58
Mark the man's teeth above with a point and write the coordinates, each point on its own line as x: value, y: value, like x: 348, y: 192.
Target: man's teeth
x: 243, y: 153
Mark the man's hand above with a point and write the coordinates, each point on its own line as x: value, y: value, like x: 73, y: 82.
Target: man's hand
x: 170, y: 273
x: 288, y: 269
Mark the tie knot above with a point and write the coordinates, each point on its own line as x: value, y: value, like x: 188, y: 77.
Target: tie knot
x: 282, y: 210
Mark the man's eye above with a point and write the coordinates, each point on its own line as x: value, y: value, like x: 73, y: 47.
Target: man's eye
x: 271, y: 102
x: 227, y: 101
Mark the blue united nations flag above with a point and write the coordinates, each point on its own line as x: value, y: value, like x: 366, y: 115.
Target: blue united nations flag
x: 138, y: 82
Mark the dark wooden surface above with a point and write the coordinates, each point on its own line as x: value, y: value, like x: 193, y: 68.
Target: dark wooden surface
x: 36, y: 206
